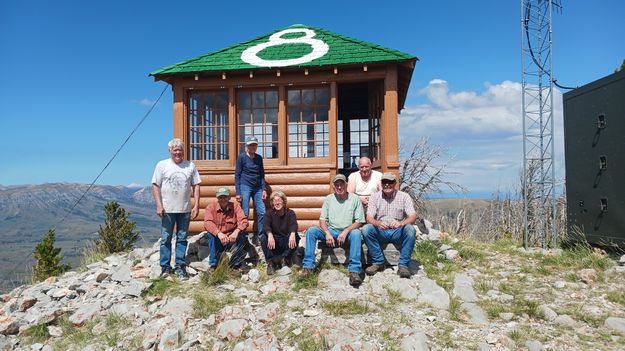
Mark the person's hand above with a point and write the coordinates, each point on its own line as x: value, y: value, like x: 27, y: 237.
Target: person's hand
x: 264, y: 195
x: 329, y: 240
x: 160, y: 211
x: 342, y: 236
x: 194, y: 213
x: 394, y: 224
x: 233, y: 237
x: 223, y: 238
x: 382, y: 225
x: 238, y: 197
x: 292, y: 242
x: 365, y: 200
x: 271, y: 243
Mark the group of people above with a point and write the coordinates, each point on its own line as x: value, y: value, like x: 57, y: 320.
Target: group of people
x: 366, y: 206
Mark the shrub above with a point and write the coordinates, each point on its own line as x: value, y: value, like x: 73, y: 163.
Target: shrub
x: 118, y: 233
x: 48, y: 258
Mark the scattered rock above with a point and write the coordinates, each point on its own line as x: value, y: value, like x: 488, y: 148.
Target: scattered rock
x: 587, y: 275
x: 416, y: 341
x: 616, y: 324
x: 565, y: 320
x: 549, y: 314
x: 122, y: 274
x: 463, y: 288
x: 476, y: 314
x: 254, y: 275
x: 533, y: 345
x: 231, y: 329
x: 84, y: 313
x: 265, y: 342
x: 169, y: 340
x: 432, y: 294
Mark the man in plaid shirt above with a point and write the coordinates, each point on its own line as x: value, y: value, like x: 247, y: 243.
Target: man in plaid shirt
x: 390, y: 218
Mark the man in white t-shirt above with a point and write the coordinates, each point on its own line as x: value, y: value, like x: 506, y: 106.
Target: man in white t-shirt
x: 365, y: 182
x: 173, y: 182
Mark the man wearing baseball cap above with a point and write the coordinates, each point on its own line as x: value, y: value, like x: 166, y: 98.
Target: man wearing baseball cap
x: 341, y: 217
x: 390, y: 218
x: 249, y: 182
x: 225, y: 223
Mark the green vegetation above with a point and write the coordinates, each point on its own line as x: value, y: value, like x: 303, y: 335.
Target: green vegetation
x: 207, y: 303
x: 493, y: 308
x: 220, y: 275
x: 118, y: 233
x: 531, y: 308
x: 394, y: 296
x: 48, y: 258
x: 299, y: 282
x: 36, y: 334
x: 165, y: 287
x: 579, y: 255
x: 617, y: 297
x: 115, y: 327
x: 309, y: 341
x: 281, y: 297
x: 342, y: 308
x: 455, y: 312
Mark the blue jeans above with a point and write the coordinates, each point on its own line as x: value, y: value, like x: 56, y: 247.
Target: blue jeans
x: 216, y: 248
x: 259, y: 206
x: 181, y: 220
x: 354, y: 239
x: 375, y: 238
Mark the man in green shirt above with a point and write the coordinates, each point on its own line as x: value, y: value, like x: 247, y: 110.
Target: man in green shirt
x: 341, y: 217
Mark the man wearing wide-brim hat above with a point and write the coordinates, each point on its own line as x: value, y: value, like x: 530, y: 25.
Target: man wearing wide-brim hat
x: 225, y: 223
x: 341, y: 217
x: 390, y: 218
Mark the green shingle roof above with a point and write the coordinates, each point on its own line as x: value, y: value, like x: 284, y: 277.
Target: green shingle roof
x: 294, y: 46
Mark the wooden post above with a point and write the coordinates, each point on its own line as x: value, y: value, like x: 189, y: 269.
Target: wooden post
x: 333, y: 121
x: 282, y: 126
x: 389, y: 125
x: 180, y: 122
x: 232, y: 122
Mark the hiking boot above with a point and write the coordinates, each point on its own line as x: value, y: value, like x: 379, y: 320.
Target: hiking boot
x: 270, y: 269
x: 354, y: 279
x: 165, y: 271
x: 287, y: 261
x: 403, y: 272
x: 181, y: 273
x: 374, y: 268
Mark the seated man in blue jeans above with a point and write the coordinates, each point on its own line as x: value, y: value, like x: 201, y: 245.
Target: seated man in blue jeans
x: 390, y: 218
x: 341, y: 216
x: 225, y: 223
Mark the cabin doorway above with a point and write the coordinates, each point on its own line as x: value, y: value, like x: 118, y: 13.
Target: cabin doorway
x: 360, y: 107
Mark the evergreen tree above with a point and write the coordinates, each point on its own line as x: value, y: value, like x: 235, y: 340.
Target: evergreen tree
x: 118, y: 233
x: 48, y: 258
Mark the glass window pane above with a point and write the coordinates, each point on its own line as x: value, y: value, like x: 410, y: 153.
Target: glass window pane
x: 258, y: 98
x: 271, y: 98
x: 310, y: 149
x: 258, y: 115
x: 307, y: 115
x: 245, y: 117
x: 272, y: 115
x: 221, y: 100
x: 242, y: 133
x: 354, y: 137
x: 294, y: 114
x: 244, y: 99
x: 293, y: 97
x: 293, y: 150
x: 322, y: 115
x: 308, y: 96
x: 322, y: 96
x: 354, y: 125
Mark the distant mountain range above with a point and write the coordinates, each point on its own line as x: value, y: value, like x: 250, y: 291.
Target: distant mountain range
x: 27, y: 212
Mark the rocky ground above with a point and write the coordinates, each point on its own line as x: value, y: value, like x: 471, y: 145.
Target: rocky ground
x: 463, y: 296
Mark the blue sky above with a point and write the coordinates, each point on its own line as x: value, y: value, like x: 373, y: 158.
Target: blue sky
x: 75, y: 75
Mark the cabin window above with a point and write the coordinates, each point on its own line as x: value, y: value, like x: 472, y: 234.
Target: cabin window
x: 308, y: 128
x: 257, y: 115
x: 208, y: 125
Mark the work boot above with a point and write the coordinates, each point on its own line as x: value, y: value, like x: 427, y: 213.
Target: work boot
x: 374, y: 268
x: 403, y: 272
x: 354, y: 279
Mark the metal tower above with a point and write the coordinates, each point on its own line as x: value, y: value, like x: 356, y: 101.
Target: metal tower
x: 538, y: 126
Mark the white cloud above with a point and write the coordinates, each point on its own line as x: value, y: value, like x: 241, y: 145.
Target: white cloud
x: 482, y: 130
x: 144, y: 102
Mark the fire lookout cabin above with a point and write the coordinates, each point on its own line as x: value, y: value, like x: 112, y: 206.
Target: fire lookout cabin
x: 317, y: 101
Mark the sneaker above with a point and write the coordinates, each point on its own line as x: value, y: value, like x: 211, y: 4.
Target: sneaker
x: 181, y: 273
x: 374, y: 268
x: 403, y: 272
x: 354, y: 279
x: 165, y: 271
x: 270, y: 269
